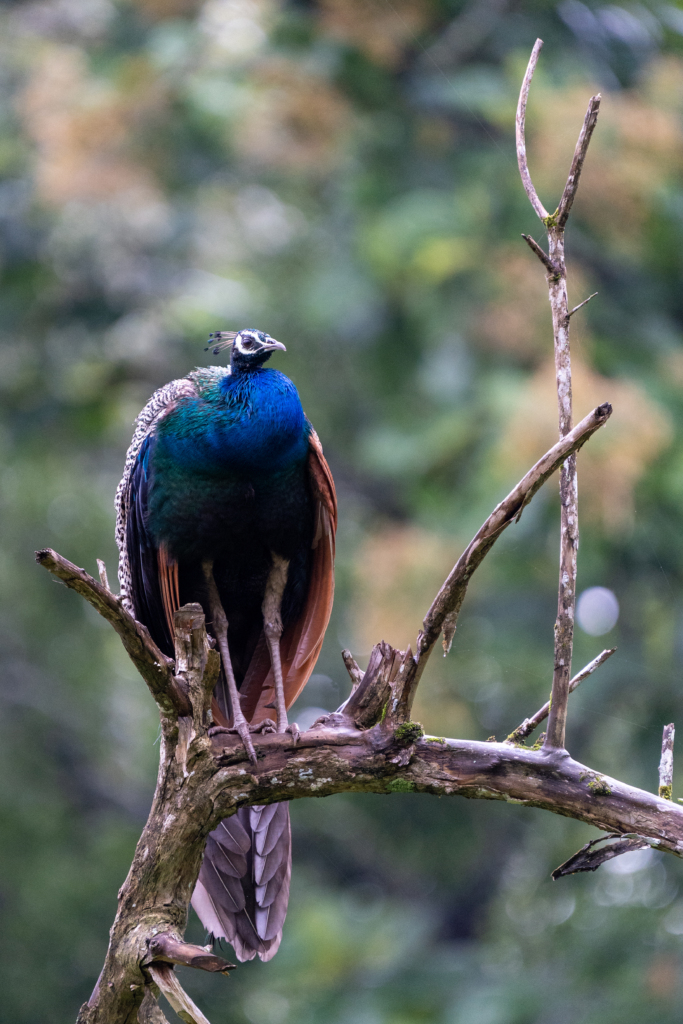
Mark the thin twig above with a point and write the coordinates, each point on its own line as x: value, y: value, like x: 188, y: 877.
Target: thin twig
x: 666, y: 764
x: 542, y: 255
x: 572, y: 184
x: 572, y: 311
x: 529, y: 724
x: 164, y: 976
x: 448, y: 601
x: 521, y: 134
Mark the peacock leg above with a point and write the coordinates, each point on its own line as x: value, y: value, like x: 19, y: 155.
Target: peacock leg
x: 220, y: 632
x: 272, y: 627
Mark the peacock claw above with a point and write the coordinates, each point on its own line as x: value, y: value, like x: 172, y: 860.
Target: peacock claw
x: 293, y: 728
x: 243, y: 730
x: 267, y: 725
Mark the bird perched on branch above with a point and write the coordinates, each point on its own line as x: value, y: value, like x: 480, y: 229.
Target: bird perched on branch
x: 227, y: 500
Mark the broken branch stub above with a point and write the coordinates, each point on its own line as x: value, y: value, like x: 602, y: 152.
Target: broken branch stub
x: 666, y: 764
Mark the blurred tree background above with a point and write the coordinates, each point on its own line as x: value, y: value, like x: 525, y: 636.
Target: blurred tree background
x: 342, y: 174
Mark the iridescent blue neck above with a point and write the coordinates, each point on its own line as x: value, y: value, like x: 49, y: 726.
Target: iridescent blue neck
x: 249, y: 421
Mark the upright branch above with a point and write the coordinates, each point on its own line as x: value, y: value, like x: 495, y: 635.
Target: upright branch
x: 666, y: 764
x: 556, y: 276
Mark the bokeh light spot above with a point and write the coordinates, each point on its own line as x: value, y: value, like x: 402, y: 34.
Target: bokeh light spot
x: 597, y: 611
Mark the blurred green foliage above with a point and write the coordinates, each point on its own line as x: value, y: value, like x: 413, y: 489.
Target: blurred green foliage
x: 342, y: 174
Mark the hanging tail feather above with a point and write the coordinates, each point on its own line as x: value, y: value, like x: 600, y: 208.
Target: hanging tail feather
x: 243, y: 887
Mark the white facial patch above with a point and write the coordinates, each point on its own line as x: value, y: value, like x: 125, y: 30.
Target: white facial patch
x: 248, y: 342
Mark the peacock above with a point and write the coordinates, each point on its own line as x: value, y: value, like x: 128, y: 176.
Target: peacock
x: 227, y: 500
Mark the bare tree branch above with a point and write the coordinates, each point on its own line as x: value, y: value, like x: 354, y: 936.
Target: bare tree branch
x: 529, y: 724
x: 542, y: 255
x: 520, y: 132
x: 203, y: 780
x: 666, y: 764
x: 557, y: 291
x: 353, y: 669
x: 581, y: 304
x: 593, y: 854
x: 171, y: 949
x: 164, y: 976
x: 154, y: 667
x: 448, y: 601
x: 589, y: 123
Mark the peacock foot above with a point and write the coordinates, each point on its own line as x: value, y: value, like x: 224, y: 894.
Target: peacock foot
x: 243, y: 730
x: 293, y: 728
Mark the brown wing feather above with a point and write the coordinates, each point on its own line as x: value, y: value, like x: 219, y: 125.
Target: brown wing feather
x: 301, y: 642
x: 168, y: 582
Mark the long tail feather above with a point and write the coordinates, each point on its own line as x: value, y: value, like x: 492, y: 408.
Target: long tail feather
x: 243, y: 888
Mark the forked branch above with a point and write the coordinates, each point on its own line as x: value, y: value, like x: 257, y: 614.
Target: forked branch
x: 556, y: 276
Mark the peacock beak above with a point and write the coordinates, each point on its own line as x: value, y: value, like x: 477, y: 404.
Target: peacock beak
x: 272, y: 345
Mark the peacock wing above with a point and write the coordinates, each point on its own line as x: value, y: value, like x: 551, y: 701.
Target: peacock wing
x: 302, y: 640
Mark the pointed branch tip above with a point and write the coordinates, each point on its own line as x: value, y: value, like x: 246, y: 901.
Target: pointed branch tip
x: 551, y: 267
x: 520, y: 133
x: 572, y: 311
x: 570, y: 189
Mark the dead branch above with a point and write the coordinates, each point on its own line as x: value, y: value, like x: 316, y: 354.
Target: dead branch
x: 172, y: 950
x: 542, y: 255
x: 557, y: 291
x: 520, y: 133
x: 353, y: 669
x: 589, y: 123
x: 666, y: 764
x: 448, y: 601
x: 581, y: 304
x: 164, y: 976
x: 154, y: 667
x: 598, y: 851
x: 529, y: 724
x: 202, y: 781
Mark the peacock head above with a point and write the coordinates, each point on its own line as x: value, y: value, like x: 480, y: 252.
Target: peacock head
x: 248, y: 348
